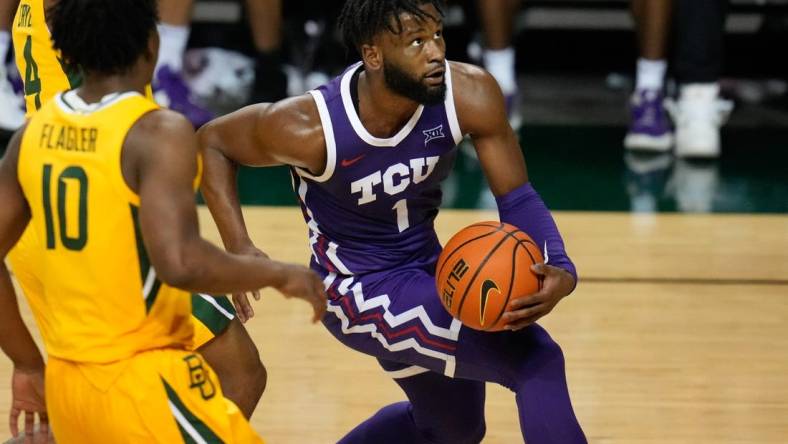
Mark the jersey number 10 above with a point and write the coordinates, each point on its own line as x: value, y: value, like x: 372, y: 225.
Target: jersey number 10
x: 73, y: 176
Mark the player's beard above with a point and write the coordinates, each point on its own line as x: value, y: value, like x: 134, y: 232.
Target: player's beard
x: 399, y: 81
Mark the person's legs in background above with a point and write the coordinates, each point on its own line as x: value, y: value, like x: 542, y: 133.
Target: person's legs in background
x: 497, y: 20
x: 169, y: 87
x: 265, y: 20
x: 699, y: 113
x: 11, y: 114
x: 649, y: 127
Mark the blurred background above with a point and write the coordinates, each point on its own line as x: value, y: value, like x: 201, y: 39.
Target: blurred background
x: 641, y: 105
x: 625, y: 107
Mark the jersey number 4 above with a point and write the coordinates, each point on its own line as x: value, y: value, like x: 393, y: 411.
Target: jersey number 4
x: 32, y: 80
x: 71, y: 176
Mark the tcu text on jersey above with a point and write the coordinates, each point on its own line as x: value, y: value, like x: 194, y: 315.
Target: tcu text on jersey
x: 396, y: 179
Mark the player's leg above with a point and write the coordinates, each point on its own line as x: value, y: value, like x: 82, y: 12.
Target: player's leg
x: 225, y: 344
x: 175, y: 17
x: 11, y: 114
x: 399, y: 317
x: 265, y: 19
x: 235, y: 358
x: 497, y: 17
x: 439, y: 410
x: 649, y: 125
x: 169, y: 87
x: 530, y: 364
x: 162, y: 396
x: 699, y: 113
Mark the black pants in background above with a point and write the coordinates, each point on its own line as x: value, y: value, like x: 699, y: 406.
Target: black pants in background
x: 699, y: 27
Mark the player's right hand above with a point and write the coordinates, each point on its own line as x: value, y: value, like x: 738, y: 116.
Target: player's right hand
x: 303, y: 283
x: 27, y: 392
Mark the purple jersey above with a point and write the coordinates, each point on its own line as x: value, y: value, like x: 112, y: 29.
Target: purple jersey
x: 373, y: 207
x: 370, y: 217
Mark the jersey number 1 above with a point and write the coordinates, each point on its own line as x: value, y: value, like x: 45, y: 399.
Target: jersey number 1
x: 76, y: 176
x: 401, y: 207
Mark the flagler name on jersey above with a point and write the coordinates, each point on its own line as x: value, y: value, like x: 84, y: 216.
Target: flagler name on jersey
x: 68, y: 138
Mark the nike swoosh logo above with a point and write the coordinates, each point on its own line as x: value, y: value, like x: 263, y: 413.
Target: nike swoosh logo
x: 348, y: 162
x: 487, y: 286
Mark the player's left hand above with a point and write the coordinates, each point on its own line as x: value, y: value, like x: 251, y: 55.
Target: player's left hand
x: 27, y: 392
x: 243, y: 308
x: 526, y: 310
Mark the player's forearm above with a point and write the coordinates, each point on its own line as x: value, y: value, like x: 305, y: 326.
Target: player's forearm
x: 220, y: 191
x: 15, y: 338
x: 203, y: 267
x: 525, y: 209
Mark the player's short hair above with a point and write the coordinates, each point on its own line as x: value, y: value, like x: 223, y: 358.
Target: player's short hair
x: 361, y: 20
x: 102, y: 36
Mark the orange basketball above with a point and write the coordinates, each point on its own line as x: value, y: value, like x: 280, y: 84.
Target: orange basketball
x: 484, y: 267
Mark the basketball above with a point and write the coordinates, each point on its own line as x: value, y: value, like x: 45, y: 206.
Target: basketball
x: 484, y: 267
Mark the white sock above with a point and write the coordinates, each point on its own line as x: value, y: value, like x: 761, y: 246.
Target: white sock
x: 5, y: 43
x: 500, y: 63
x: 699, y: 91
x: 172, y: 45
x: 651, y: 74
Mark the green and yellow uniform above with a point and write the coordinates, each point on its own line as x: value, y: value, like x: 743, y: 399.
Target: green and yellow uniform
x: 45, y: 75
x: 119, y: 340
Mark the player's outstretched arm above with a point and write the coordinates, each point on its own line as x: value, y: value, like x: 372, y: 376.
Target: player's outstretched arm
x: 286, y: 132
x: 482, y: 114
x: 163, y: 173
x: 27, y: 386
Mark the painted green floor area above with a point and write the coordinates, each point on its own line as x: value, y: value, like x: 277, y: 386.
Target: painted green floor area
x: 586, y: 169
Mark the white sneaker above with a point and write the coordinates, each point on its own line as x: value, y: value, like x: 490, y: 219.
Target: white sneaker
x: 697, y: 116
x: 11, y: 115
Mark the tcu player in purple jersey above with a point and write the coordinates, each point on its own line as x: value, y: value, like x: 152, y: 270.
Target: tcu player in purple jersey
x: 368, y: 152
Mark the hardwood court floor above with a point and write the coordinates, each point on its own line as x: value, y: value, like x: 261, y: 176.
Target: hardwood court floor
x: 678, y: 333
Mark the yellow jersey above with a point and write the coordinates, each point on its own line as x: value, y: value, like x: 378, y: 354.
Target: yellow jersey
x: 103, y: 300
x: 41, y: 67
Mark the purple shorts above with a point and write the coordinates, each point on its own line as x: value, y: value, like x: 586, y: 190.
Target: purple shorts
x: 394, y: 316
x: 397, y: 317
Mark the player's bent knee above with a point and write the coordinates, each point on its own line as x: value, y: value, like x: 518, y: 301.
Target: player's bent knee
x: 456, y: 422
x: 467, y: 433
x: 550, y: 349
x: 236, y: 361
x: 463, y: 429
x: 458, y: 432
x: 259, y: 379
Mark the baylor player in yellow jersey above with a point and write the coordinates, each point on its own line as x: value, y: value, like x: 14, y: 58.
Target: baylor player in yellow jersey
x: 220, y: 337
x: 35, y: 57
x: 105, y: 180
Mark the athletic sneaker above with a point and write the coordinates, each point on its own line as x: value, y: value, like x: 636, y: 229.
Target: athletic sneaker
x: 11, y: 114
x: 649, y: 128
x: 698, y: 115
x: 170, y: 90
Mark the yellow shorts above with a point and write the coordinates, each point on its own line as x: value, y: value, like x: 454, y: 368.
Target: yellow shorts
x: 210, y: 315
x: 159, y: 396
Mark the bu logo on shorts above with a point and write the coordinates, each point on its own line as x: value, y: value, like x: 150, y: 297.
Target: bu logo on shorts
x: 198, y: 377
